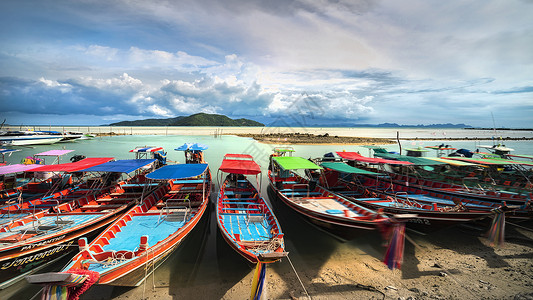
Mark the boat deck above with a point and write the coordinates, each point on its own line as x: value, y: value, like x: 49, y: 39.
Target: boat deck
x: 46, y: 225
x: 238, y: 224
x: 157, y: 228
x: 326, y: 205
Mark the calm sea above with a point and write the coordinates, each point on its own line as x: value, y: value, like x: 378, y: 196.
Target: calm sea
x: 204, y: 257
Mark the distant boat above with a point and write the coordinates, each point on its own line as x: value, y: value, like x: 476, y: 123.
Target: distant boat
x: 23, y: 138
x: 69, y: 136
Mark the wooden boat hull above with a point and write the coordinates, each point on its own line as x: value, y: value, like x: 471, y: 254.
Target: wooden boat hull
x: 134, y: 271
x: 343, y: 229
x: 122, y: 236
x: 426, y: 220
x: 19, y: 261
x: 272, y: 229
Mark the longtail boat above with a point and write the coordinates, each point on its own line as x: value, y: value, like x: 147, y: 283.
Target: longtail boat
x: 244, y: 218
x: 40, y: 236
x: 19, y: 182
x: 423, y: 217
x: 316, y: 204
x: 427, y: 190
x: 133, y: 246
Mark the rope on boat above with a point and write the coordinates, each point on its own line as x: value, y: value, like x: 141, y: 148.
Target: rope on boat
x: 272, y: 245
x: 301, y: 283
x: 147, y: 253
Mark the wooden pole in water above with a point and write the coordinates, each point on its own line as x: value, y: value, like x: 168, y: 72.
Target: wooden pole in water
x: 398, y: 139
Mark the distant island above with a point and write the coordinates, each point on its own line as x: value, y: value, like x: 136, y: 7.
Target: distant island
x: 200, y: 119
x: 281, y: 123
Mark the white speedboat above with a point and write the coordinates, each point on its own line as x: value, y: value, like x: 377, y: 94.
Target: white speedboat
x: 22, y: 138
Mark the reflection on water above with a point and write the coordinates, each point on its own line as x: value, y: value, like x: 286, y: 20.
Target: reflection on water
x: 204, y: 260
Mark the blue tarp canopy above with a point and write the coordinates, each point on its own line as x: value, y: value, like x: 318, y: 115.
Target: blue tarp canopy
x: 180, y: 171
x: 121, y: 166
x: 192, y: 147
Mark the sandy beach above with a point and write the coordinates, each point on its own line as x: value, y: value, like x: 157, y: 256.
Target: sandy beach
x: 456, y: 263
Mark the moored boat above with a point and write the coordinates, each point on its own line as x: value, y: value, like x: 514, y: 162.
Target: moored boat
x: 316, y: 204
x: 134, y: 245
x: 423, y: 217
x: 23, y: 138
x: 244, y: 218
x: 47, y: 230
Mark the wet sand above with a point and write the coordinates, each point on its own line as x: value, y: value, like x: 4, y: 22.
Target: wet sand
x: 455, y: 263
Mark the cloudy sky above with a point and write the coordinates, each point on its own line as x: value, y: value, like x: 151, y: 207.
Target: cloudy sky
x: 91, y: 62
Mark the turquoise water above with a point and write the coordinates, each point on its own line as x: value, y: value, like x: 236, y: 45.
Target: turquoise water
x: 204, y: 258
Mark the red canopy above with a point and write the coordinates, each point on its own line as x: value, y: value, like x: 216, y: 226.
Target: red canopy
x: 245, y: 167
x: 73, y: 167
x: 358, y: 157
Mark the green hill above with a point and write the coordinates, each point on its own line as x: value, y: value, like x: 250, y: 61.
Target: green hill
x: 201, y: 119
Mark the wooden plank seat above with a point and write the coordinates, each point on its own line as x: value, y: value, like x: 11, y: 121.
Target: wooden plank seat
x: 184, y: 191
x: 232, y: 214
x: 240, y: 209
x: 242, y: 203
x: 126, y: 194
x: 293, y: 190
x: 115, y: 199
x: 238, y: 199
x: 107, y: 206
x: 233, y: 193
x: 138, y: 185
x: 191, y: 181
x: 301, y: 193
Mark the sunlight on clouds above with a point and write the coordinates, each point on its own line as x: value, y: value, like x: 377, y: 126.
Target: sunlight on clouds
x: 63, y: 87
x: 124, y: 81
x: 159, y: 111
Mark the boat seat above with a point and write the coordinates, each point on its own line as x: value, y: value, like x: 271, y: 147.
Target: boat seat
x: 115, y: 199
x: 241, y: 209
x: 301, y: 193
x: 254, y: 218
x: 243, y: 203
x: 126, y: 194
x: 232, y: 214
x: 182, y: 191
x: 135, y: 185
x: 232, y: 193
x: 100, y: 206
x: 193, y: 181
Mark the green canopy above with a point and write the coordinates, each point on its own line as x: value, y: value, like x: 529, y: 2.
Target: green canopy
x: 419, y: 161
x: 344, y: 168
x: 294, y: 163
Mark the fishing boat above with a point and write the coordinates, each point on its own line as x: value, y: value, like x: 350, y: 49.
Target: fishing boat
x: 341, y: 179
x: 244, y: 218
x: 406, y: 174
x: 46, y: 229
x: 133, y: 246
x: 328, y: 211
